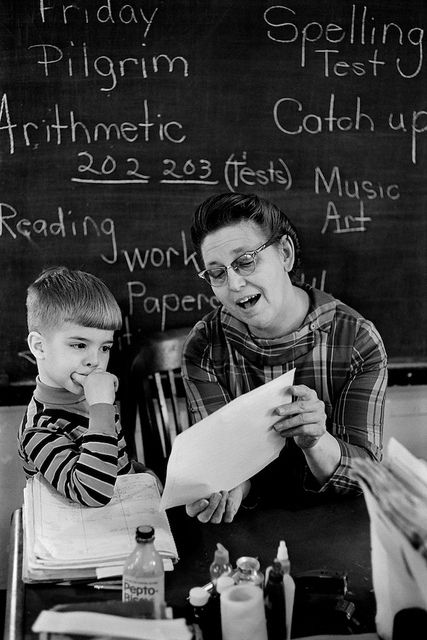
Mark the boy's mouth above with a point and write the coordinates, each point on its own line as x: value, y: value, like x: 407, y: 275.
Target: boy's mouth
x: 248, y: 301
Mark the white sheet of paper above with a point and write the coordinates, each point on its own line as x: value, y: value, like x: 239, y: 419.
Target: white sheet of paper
x: 89, y: 623
x: 228, y: 447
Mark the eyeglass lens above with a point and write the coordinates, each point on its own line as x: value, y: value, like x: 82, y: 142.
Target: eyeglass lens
x: 243, y: 265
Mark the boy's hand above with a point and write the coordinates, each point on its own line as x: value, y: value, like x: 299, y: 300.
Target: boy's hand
x: 99, y: 386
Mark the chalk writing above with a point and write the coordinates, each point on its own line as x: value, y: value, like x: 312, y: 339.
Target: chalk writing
x: 361, y: 30
x: 354, y: 188
x: 314, y: 281
x: 166, y: 303
x: 190, y: 172
x: 238, y: 173
x: 415, y: 123
x: 27, y: 355
x: 156, y: 257
x: 107, y: 13
x: 76, y: 62
x: 106, y: 168
x: 118, y: 117
x: 287, y: 119
x: 63, y: 226
x: 66, y: 127
x: 345, y: 223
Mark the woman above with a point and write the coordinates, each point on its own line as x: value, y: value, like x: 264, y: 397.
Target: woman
x: 266, y: 324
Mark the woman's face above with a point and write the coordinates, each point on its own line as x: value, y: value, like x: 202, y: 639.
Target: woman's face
x: 260, y: 300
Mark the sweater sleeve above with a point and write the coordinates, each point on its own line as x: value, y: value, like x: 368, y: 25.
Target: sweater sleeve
x: 81, y: 464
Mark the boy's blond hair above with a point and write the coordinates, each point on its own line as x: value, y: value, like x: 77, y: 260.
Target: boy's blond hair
x: 61, y: 295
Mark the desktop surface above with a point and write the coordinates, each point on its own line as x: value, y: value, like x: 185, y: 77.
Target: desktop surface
x: 331, y: 537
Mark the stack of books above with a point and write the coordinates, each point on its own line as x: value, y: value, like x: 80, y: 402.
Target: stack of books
x: 66, y: 541
x: 396, y: 497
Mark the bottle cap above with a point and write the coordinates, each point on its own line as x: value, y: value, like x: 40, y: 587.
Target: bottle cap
x: 223, y: 583
x: 144, y: 533
x: 221, y: 554
x: 198, y: 596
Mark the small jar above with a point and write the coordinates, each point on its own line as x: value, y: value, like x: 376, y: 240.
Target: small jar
x: 248, y: 572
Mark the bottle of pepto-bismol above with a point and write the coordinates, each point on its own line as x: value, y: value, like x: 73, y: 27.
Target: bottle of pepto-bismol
x: 143, y: 572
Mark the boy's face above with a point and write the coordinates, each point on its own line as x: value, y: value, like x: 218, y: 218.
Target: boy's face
x: 70, y: 349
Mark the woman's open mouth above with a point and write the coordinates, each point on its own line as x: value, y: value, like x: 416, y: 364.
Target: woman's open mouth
x: 248, y: 301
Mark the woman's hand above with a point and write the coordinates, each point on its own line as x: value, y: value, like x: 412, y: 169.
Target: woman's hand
x: 219, y: 507
x: 304, y: 419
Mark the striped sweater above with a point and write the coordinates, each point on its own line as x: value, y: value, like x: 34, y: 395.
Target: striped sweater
x: 54, y: 439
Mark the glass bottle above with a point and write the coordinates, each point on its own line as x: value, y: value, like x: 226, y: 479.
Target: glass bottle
x: 223, y: 582
x: 248, y: 572
x: 143, y: 572
x: 221, y: 564
x: 275, y: 604
x: 199, y: 614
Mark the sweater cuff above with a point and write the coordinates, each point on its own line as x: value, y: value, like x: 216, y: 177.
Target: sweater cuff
x: 102, y: 418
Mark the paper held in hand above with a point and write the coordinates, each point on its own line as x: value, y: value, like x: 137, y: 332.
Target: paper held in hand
x: 229, y: 446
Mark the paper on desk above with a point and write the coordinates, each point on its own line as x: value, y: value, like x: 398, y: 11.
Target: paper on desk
x: 100, y: 624
x: 228, y: 447
x: 117, y: 569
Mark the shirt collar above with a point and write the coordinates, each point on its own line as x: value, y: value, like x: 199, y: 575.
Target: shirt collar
x: 267, y: 351
x: 55, y: 395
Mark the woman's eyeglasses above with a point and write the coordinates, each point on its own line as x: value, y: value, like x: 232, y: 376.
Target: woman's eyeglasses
x: 243, y: 266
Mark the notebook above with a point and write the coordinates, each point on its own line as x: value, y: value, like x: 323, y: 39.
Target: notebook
x: 67, y: 541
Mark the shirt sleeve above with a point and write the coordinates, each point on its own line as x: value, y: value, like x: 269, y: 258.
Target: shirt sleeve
x: 358, y: 412
x: 85, y: 469
x: 204, y: 392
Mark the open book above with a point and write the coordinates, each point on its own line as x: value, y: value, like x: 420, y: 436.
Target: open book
x: 65, y: 541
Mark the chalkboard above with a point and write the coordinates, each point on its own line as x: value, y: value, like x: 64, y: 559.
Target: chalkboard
x: 118, y: 117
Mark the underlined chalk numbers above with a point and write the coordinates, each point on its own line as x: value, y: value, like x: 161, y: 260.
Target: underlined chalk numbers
x: 235, y: 171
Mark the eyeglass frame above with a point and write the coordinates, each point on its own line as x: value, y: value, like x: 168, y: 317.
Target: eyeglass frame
x: 202, y: 274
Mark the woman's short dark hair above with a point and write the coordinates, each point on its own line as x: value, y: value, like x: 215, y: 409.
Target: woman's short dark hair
x: 226, y: 209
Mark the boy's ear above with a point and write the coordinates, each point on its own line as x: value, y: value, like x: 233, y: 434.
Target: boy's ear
x: 36, y: 343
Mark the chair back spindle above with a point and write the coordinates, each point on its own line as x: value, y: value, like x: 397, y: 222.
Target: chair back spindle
x: 159, y: 394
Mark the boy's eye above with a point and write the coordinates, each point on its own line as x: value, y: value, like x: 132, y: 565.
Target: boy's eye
x: 106, y: 347
x: 78, y: 345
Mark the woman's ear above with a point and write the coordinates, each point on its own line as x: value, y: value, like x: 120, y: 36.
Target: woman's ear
x: 36, y: 343
x: 287, y: 250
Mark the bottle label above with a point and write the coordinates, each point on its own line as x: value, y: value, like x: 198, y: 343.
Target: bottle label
x: 144, y: 589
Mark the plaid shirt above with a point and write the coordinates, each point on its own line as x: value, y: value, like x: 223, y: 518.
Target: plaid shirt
x: 336, y: 352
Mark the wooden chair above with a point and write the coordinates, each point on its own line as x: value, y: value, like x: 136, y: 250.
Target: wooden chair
x: 159, y: 393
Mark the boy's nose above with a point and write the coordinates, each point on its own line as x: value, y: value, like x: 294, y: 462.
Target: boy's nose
x: 91, y: 359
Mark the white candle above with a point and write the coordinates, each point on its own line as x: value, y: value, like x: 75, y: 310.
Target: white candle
x: 243, y: 614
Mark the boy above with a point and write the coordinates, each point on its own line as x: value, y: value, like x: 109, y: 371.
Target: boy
x: 71, y: 432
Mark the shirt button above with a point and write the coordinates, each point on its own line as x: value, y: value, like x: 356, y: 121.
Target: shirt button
x: 313, y: 326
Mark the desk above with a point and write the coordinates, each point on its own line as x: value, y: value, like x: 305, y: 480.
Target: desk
x: 333, y: 536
